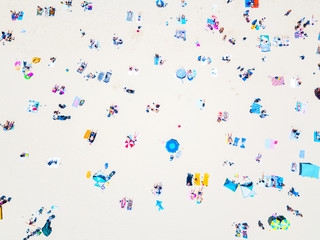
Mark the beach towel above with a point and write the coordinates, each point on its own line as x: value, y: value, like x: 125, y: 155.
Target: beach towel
x: 243, y: 141
x: 255, y: 108
x: 0, y: 212
x: 255, y: 4
x: 33, y: 106
x: 87, y: 134
x: 301, y: 107
x: 205, y: 180
x: 20, y: 17
x: 236, y: 140
x: 189, y: 179
x: 76, y: 102
x: 178, y: 154
x: 197, y: 179
x: 301, y: 154
x: 156, y: 60
x: 277, y: 81
x: 129, y: 16
x: 248, y: 3
x: 317, y: 136
x: 183, y: 21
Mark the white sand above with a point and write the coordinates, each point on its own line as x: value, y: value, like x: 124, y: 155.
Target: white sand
x: 87, y: 212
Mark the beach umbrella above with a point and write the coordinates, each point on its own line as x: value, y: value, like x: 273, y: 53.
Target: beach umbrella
x: 129, y: 143
x: 99, y: 177
x: 181, y: 73
x: 160, y: 3
x: 172, y: 146
x: 317, y: 93
x: 274, y: 223
x: 284, y: 224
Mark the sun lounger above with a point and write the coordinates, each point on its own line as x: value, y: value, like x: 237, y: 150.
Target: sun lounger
x: 236, y: 140
x: 107, y: 77
x: 205, y: 180
x: 87, y: 134
x: 197, y: 179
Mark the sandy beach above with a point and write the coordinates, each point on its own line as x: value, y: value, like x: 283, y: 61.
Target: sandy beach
x: 84, y: 211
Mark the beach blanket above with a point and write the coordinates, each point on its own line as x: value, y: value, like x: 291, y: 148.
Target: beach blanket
x: 277, y: 81
x: 270, y: 143
x: 33, y: 106
x: 87, y: 134
x: 301, y: 107
x: 76, y: 102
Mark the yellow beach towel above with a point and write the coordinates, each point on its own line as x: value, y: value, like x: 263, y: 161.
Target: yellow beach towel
x: 36, y: 60
x: 87, y: 135
x: 88, y: 174
x: 205, y: 181
x: 197, y: 179
x: 0, y: 212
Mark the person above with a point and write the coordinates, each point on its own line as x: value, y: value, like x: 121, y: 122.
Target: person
x: 288, y: 12
x: 289, y: 209
x: 260, y: 224
x: 82, y: 33
x: 298, y: 214
x: 131, y: 91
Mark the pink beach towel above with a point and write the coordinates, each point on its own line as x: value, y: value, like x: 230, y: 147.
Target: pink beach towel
x: 277, y: 81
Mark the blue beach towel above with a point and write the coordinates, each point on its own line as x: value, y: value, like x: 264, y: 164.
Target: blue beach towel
x: 156, y: 60
x: 243, y: 141
x: 21, y: 17
x: 268, y: 143
x: 183, y: 21
x: 236, y: 140
x: 301, y: 154
x: 129, y: 18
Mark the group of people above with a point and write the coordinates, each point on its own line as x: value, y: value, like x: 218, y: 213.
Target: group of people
x: 153, y: 108
x: 129, y: 202
x: 94, y: 44
x: 48, y: 11
x: 198, y: 196
x: 16, y: 15
x: 6, y: 36
x: 59, y: 89
x: 113, y: 109
x: 8, y: 125
x: 4, y: 200
x: 157, y: 189
x: 246, y: 74
x: 57, y: 116
x: 242, y: 228
x: 116, y: 40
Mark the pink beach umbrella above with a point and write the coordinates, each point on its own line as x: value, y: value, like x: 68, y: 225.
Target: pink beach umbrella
x: 129, y: 143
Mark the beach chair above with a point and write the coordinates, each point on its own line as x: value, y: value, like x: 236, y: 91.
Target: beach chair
x: 236, y: 141
x: 92, y: 137
x: 197, y: 179
x: 205, y: 180
x: 130, y: 203
x: 87, y: 134
x: 82, y: 67
x: 107, y: 77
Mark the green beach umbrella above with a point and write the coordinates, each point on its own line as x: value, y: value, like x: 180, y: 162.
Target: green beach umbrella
x: 285, y: 224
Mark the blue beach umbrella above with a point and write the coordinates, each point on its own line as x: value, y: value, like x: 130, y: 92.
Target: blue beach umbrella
x: 181, y: 73
x: 99, y: 177
x: 172, y: 146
